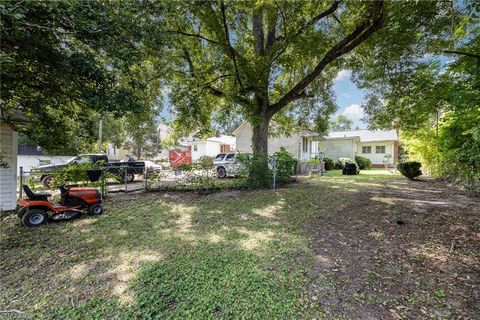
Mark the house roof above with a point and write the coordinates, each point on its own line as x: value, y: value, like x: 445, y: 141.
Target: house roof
x: 365, y: 135
x: 304, y: 132
x: 223, y: 139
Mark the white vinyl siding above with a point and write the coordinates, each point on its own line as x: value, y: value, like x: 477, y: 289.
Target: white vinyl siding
x: 244, y: 142
x: 336, y: 149
x: 8, y: 176
x: 366, y: 149
x: 378, y: 157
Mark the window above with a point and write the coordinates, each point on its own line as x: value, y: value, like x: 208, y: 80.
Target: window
x: 219, y: 157
x: 305, y: 144
x: 380, y: 149
x: 83, y: 159
x: 367, y: 149
x: 230, y: 156
x: 195, y: 147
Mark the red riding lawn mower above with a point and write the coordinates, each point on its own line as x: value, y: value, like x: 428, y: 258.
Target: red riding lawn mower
x: 37, y: 210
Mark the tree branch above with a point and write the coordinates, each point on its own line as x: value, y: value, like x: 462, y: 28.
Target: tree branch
x: 317, y: 18
x: 195, y: 35
x: 468, y: 54
x: 271, y: 34
x: 258, y: 31
x: 355, y: 38
x: 230, y: 49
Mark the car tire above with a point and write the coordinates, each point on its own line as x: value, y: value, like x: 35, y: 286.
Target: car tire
x: 34, y: 217
x: 130, y: 177
x: 47, y: 181
x: 95, y: 209
x: 221, y: 173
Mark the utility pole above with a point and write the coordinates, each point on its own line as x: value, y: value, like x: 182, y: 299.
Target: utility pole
x: 100, y: 133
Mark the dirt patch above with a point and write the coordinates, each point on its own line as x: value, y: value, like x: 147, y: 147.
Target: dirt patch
x: 397, y: 250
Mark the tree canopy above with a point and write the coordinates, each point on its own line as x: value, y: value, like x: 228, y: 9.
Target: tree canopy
x: 435, y: 104
x: 341, y: 123
x: 64, y: 62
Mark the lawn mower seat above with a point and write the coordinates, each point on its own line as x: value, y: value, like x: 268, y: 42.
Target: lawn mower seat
x: 35, y: 196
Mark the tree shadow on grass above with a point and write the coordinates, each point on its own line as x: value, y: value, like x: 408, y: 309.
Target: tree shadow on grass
x: 160, y: 256
x: 401, y: 249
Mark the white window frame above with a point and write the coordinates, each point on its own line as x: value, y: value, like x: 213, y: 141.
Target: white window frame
x: 365, y: 148
x: 195, y: 147
x: 382, y: 146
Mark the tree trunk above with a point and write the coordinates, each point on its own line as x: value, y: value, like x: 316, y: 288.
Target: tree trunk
x: 260, y: 137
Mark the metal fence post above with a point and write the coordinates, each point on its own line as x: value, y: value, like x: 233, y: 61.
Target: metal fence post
x: 145, y: 177
x: 126, y: 180
x: 20, y: 188
x: 104, y: 182
x: 274, y: 169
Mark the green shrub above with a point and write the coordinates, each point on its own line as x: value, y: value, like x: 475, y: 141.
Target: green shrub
x: 286, y: 166
x: 363, y: 163
x: 252, y: 168
x: 329, y: 163
x: 410, y: 169
x: 204, y: 163
x: 185, y: 167
x: 341, y: 162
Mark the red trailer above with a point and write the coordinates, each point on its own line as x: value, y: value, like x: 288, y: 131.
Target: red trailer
x: 180, y: 156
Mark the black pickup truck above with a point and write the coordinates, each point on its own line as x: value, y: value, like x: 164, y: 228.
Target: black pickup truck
x: 115, y: 167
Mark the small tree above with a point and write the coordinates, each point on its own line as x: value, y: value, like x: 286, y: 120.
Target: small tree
x: 410, y: 169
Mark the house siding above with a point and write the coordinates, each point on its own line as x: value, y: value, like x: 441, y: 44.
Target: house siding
x: 8, y: 176
x: 341, y: 148
x: 29, y: 161
x: 378, y: 158
x: 244, y: 142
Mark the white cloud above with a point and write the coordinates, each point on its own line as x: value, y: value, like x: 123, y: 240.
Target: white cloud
x: 354, y: 112
x: 343, y: 75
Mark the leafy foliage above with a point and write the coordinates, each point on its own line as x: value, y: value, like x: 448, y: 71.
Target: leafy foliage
x: 329, y: 163
x: 363, y: 163
x: 435, y: 104
x: 340, y: 164
x: 252, y: 168
x: 62, y: 63
x: 410, y: 169
x: 341, y: 123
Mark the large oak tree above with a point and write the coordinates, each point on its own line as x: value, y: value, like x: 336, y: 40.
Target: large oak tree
x: 274, y: 59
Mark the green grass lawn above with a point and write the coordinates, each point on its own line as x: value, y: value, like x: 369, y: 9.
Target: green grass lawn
x: 235, y: 254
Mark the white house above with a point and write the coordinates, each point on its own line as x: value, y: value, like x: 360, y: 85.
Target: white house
x: 210, y: 146
x: 303, y: 144
x: 380, y: 146
x: 8, y: 167
x: 29, y: 156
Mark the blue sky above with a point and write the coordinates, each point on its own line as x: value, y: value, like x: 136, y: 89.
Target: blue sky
x: 349, y: 98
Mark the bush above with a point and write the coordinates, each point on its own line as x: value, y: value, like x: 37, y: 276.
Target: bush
x: 252, y: 168
x: 363, y: 163
x: 340, y: 164
x: 329, y: 163
x: 286, y: 166
x: 185, y: 167
x: 204, y: 163
x: 410, y: 169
